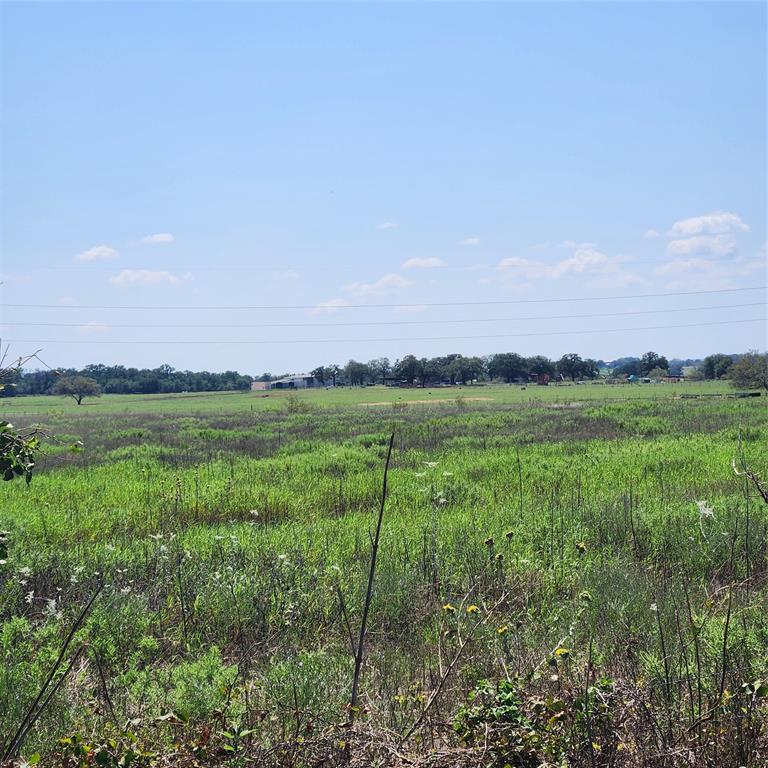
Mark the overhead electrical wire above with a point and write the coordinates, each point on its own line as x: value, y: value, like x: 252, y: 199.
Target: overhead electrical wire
x: 377, y: 340
x: 449, y: 321
x: 354, y: 268
x: 399, y: 304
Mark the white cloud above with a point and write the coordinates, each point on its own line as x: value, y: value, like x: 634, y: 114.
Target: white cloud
x: 650, y: 234
x: 470, y: 241
x: 329, y: 307
x: 584, y: 261
x: 387, y: 225
x: 159, y: 237
x: 526, y: 267
x: 709, y: 245
x: 97, y: 253
x: 390, y: 283
x: 717, y: 223
x: 426, y: 263
x: 144, y: 277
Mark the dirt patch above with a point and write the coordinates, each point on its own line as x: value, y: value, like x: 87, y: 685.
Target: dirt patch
x: 427, y: 401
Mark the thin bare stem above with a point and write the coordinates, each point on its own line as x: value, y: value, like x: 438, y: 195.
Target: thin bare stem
x: 369, y: 590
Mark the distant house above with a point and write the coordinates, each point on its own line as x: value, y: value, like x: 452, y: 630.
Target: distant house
x: 294, y: 381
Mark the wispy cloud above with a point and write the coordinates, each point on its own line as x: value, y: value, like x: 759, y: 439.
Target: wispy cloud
x: 717, y: 223
x: 388, y: 284
x: 97, y: 253
x: 144, y: 277
x: 469, y: 242
x: 426, y: 263
x: 695, y: 240
x: 711, y: 245
x: 651, y: 234
x: 585, y: 260
x: 329, y: 307
x: 157, y: 238
x: 387, y: 225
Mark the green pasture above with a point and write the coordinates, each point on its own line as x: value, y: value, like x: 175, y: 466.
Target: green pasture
x: 605, y: 524
x: 195, y: 402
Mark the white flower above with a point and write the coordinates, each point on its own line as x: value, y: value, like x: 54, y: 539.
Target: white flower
x: 29, y: 597
x: 654, y: 608
x: 705, y: 510
x: 50, y: 609
x: 430, y: 464
x: 156, y: 536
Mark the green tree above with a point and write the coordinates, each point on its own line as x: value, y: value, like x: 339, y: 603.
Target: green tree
x: 541, y: 365
x: 356, y: 373
x: 409, y: 368
x: 570, y: 365
x: 651, y: 360
x: 507, y: 366
x: 320, y: 373
x: 332, y: 372
x: 590, y: 368
x: 77, y: 387
x: 750, y: 371
x: 380, y: 368
x: 716, y: 366
x: 18, y: 447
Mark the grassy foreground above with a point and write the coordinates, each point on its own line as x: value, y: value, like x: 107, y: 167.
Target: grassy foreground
x: 567, y: 576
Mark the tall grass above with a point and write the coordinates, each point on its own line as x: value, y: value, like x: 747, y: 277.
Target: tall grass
x: 604, y: 549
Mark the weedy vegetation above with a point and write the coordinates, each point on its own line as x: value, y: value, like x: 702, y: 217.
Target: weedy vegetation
x: 565, y: 577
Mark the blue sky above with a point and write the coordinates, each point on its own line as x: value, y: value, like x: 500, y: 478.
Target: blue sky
x: 183, y: 156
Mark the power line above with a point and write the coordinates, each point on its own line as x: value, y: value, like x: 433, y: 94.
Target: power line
x: 450, y: 321
x: 483, y: 303
x: 398, y: 339
x: 352, y: 268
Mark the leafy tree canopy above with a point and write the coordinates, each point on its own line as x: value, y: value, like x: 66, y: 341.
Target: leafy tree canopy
x: 77, y: 387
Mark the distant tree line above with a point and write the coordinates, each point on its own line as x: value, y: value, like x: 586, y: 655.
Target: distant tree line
x: 504, y: 366
x: 117, y: 379
x: 744, y: 370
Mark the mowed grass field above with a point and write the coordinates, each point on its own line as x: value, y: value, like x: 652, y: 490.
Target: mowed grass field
x: 569, y: 575
x: 227, y: 402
